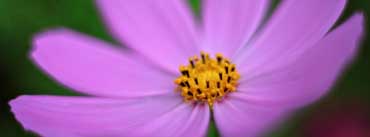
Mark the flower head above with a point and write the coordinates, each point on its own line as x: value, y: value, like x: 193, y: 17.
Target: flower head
x: 249, y: 78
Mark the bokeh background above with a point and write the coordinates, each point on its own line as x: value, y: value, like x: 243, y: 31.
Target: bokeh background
x: 345, y: 112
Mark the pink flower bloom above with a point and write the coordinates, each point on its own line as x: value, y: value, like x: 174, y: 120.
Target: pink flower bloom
x: 292, y: 61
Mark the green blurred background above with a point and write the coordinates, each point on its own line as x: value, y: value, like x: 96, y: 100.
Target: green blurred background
x: 345, y: 109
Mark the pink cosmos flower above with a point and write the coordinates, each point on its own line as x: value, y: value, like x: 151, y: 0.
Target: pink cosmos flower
x: 292, y: 61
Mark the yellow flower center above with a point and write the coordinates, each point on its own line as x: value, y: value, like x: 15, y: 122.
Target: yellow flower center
x: 207, y: 79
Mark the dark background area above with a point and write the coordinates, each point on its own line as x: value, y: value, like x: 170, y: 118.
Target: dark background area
x: 344, y: 111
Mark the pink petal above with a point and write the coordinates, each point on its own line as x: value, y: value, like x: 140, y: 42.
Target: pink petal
x: 230, y: 23
x: 294, y: 27
x: 237, y: 116
x: 163, y: 31
x: 312, y: 75
x: 187, y: 121
x: 93, y: 67
x: 162, y: 116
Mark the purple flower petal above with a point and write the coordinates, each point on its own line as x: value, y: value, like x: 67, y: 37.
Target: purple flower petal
x: 93, y: 67
x: 294, y: 27
x: 230, y: 23
x: 237, y: 116
x: 164, y: 31
x: 162, y: 116
x: 312, y: 74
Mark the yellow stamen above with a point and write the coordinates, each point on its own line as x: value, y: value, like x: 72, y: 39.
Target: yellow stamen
x: 206, y: 79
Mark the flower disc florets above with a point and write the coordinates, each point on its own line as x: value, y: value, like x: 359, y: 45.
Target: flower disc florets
x: 206, y: 79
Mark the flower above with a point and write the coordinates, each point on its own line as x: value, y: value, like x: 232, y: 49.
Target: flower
x: 292, y: 61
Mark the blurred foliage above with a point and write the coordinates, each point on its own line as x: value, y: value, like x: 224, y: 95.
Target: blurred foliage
x: 21, y: 19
